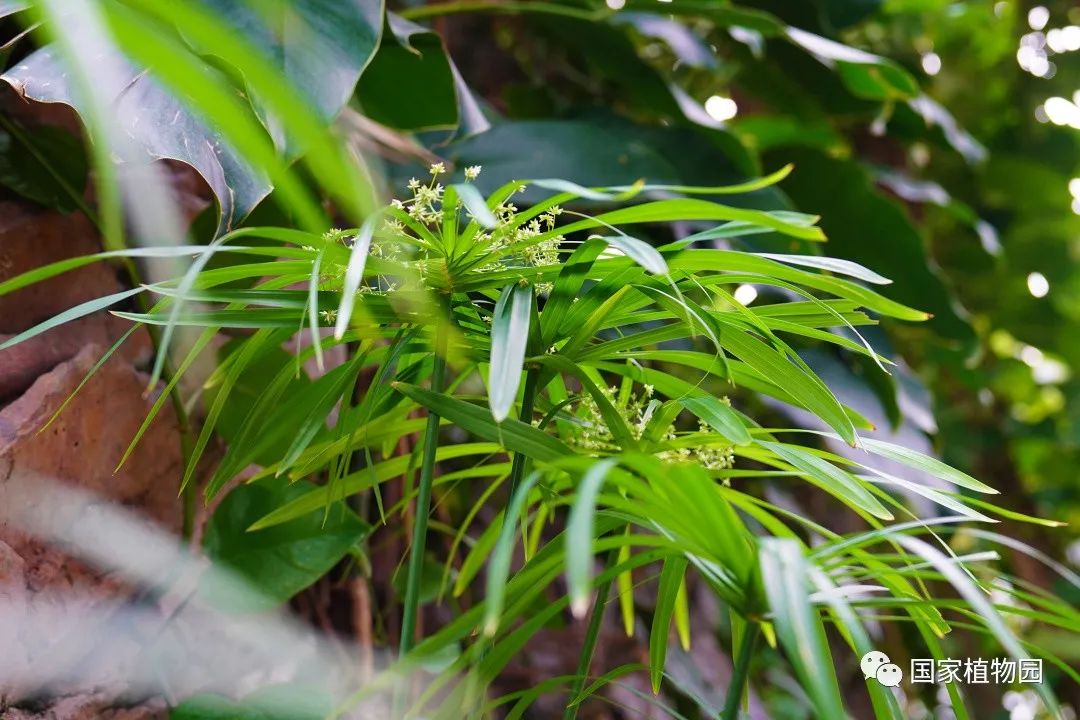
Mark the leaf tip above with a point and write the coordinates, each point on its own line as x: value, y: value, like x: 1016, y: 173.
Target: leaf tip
x: 579, y: 606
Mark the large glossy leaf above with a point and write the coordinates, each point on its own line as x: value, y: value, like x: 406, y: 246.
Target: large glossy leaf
x: 321, y: 46
x: 865, y: 74
x: 278, y: 561
x: 612, y: 60
x: 723, y: 14
x: 852, y: 211
x: 690, y: 49
x: 411, y: 63
x: 601, y: 152
x: 43, y: 164
x: 159, y: 123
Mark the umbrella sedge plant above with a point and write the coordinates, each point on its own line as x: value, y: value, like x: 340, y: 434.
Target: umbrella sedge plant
x: 602, y: 388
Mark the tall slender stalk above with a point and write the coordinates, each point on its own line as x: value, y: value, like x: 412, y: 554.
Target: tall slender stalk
x: 528, y: 400
x: 592, y: 634
x: 742, y: 670
x: 423, y: 499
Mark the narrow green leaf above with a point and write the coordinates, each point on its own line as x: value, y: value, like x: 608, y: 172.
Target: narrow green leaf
x: 682, y: 615
x: 980, y: 603
x: 573, y: 190
x: 692, y: 209
x: 802, y: 385
x: 580, y: 536
x: 738, y: 228
x: 221, y: 318
x: 639, y: 251
x: 368, y: 478
x: 326, y: 392
x: 82, y: 310
x: 925, y: 463
x: 502, y: 553
x: 830, y: 478
x: 476, y: 205
x: 946, y: 500
x: 798, y: 625
x: 567, y: 286
x: 737, y: 189
x: 313, y: 309
x: 617, y: 424
x: 625, y: 589
x: 836, y: 265
x: 719, y: 416
x: 510, y: 433
x: 671, y: 576
x: 851, y: 626
x: 260, y: 342
x: 732, y: 261
x: 509, y: 335
x: 45, y: 272
x: 587, y: 329
x: 354, y: 274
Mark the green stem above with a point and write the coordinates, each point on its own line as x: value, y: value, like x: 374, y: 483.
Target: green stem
x: 423, y: 500
x: 190, y: 493
x: 742, y: 670
x: 592, y: 635
x: 528, y: 401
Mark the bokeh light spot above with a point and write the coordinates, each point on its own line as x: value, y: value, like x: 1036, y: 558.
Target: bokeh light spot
x: 1037, y: 284
x: 721, y: 108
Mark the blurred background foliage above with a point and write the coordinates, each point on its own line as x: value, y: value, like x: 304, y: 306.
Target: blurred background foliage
x: 938, y: 140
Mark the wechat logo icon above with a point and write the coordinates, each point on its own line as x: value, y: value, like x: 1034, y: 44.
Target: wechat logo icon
x: 876, y: 664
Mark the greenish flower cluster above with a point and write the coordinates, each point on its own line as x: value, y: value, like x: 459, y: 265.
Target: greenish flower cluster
x: 637, y: 410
